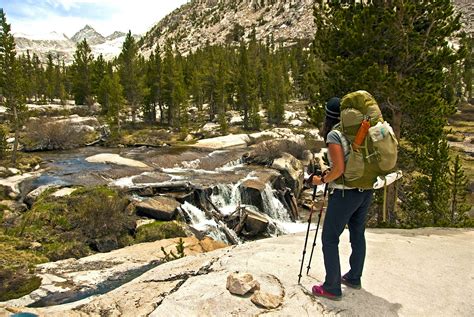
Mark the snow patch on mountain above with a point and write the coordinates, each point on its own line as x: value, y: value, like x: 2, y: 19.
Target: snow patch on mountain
x: 63, y: 48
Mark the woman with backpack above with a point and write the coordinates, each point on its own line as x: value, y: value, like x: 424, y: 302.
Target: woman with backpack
x: 346, y: 206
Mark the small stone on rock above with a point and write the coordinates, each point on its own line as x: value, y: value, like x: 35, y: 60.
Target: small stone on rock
x: 266, y: 300
x: 241, y: 283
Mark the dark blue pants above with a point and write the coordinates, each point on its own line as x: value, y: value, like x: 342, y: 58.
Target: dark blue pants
x: 344, y: 207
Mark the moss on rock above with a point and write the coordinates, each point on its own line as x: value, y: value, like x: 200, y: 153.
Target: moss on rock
x: 159, y: 230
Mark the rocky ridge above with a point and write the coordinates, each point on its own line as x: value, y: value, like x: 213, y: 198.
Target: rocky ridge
x: 226, y: 21
x: 199, y: 22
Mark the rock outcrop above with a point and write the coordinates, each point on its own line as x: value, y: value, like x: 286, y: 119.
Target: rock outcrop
x: 197, y: 23
x: 405, y: 270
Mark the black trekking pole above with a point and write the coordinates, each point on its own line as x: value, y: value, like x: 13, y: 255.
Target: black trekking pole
x: 307, y: 230
x: 317, y: 228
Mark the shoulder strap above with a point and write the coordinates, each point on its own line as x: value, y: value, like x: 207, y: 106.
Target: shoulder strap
x: 346, y: 145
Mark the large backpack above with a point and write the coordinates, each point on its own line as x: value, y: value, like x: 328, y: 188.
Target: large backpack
x: 377, y: 155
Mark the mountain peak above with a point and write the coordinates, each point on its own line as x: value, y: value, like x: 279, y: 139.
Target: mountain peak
x: 90, y: 34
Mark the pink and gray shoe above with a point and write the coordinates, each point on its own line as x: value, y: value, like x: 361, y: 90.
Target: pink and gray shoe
x: 319, y: 291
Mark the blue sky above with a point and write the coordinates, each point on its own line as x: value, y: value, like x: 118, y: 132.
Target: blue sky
x: 37, y: 17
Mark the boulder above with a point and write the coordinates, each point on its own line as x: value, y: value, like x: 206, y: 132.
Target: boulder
x: 107, y: 158
x: 63, y: 192
x: 14, y: 205
x: 159, y: 208
x: 105, y: 244
x: 241, y: 283
x: 17, y: 186
x: 255, y: 223
x: 251, y: 192
x: 293, y: 171
x: 32, y: 196
x: 224, y: 142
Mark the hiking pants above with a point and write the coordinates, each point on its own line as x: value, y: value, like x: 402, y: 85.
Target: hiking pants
x: 348, y: 206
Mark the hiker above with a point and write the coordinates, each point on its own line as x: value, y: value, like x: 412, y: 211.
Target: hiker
x: 346, y: 206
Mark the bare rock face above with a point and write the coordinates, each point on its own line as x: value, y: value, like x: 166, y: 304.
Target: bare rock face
x: 241, y: 283
x: 292, y: 169
x: 226, y: 22
x: 266, y: 300
x: 159, y: 208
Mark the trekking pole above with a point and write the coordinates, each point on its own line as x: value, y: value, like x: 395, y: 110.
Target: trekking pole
x: 307, y: 230
x: 317, y: 228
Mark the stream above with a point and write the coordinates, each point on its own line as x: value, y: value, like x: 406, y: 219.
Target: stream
x: 221, y: 170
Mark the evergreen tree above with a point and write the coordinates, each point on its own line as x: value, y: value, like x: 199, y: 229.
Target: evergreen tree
x: 458, y: 184
x: 98, y: 71
x: 174, y: 93
x: 39, y: 82
x: 110, y: 97
x: 59, y: 79
x: 81, y: 74
x: 153, y: 83
x: 279, y: 89
x: 130, y: 75
x: 467, y: 44
x: 398, y: 51
x: 28, y: 82
x: 180, y: 98
x: 10, y: 79
x: 247, y: 94
x: 50, y: 78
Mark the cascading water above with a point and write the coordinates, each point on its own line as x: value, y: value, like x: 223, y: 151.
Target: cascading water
x: 227, y: 198
x: 200, y: 222
x: 273, y: 206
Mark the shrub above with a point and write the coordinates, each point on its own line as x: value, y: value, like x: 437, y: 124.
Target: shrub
x: 47, y: 134
x: 71, y: 226
x: 3, y: 141
x: 99, y: 212
x: 16, y: 263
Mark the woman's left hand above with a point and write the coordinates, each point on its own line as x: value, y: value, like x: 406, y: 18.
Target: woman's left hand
x: 317, y: 180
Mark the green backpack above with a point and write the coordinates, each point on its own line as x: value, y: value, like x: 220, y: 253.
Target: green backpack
x: 377, y: 155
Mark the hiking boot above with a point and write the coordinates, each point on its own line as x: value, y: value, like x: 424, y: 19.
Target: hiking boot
x: 321, y: 292
x: 345, y: 281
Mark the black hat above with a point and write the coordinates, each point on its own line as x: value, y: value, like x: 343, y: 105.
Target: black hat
x: 333, y: 108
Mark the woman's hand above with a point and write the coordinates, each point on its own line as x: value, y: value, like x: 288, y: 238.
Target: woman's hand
x: 316, y: 180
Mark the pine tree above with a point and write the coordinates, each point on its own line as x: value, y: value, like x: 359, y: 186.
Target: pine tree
x: 110, y: 97
x: 154, y: 83
x: 458, y: 185
x: 50, y: 78
x: 59, y: 79
x: 10, y: 79
x: 247, y: 94
x: 180, y: 98
x: 174, y: 92
x: 81, y: 74
x: 130, y: 74
x: 467, y: 44
x: 39, y: 82
x: 398, y: 51
x: 98, y: 71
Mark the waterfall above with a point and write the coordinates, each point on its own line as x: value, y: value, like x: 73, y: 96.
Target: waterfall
x: 200, y: 222
x: 273, y: 206
x: 227, y: 198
